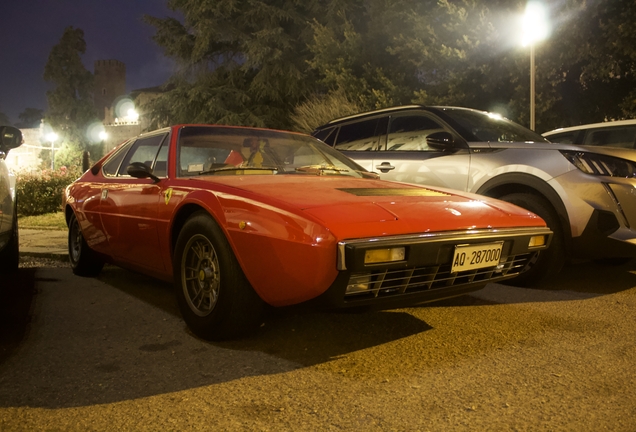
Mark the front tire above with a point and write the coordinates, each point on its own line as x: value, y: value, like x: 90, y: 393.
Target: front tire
x: 215, y: 298
x: 84, y: 260
x: 549, y: 261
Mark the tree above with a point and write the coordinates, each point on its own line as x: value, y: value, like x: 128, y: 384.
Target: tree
x: 4, y: 120
x: 240, y: 62
x: 71, y: 107
x: 273, y: 63
x: 30, y: 118
x: 404, y: 51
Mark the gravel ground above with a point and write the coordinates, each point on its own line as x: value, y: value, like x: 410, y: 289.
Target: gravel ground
x: 35, y: 262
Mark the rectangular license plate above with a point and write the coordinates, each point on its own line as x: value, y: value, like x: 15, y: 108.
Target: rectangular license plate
x: 471, y: 257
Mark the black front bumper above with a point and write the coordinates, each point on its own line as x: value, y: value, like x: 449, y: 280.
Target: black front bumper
x: 425, y: 274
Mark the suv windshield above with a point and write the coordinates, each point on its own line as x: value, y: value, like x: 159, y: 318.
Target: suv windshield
x: 230, y: 150
x: 484, y: 126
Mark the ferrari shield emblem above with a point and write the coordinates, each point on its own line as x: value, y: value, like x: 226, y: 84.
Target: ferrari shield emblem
x: 168, y: 195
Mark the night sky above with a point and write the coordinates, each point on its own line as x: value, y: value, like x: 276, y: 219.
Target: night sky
x: 113, y: 29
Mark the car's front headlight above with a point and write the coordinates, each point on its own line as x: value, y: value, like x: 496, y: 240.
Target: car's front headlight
x: 601, y: 165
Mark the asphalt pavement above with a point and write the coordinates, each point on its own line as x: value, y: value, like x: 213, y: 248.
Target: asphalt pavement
x: 112, y: 353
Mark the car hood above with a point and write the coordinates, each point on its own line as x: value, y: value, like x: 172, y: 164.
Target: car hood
x: 399, y: 207
x: 629, y: 154
x: 531, y: 145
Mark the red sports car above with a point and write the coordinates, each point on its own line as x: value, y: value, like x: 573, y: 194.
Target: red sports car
x: 242, y: 217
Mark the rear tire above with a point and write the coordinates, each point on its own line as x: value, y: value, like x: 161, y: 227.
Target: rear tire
x: 549, y: 261
x: 84, y: 260
x: 215, y: 298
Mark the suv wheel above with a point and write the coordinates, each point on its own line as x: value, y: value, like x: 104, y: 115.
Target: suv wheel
x: 548, y: 262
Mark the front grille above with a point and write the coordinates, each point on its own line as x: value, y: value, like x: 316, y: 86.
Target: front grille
x: 390, y: 283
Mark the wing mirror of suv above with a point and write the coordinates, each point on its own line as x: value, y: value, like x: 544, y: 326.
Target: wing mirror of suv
x: 442, y: 141
x: 10, y: 138
x: 141, y: 170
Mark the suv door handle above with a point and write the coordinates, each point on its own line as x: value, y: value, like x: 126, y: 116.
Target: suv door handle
x: 385, y: 167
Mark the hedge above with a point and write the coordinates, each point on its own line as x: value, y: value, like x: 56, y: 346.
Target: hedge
x: 42, y: 192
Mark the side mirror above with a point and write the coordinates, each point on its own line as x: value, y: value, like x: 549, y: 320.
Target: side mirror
x: 141, y: 170
x: 441, y: 141
x: 10, y: 137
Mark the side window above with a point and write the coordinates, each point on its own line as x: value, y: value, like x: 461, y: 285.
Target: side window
x: 143, y: 150
x: 160, y: 168
x: 359, y: 136
x: 612, y: 137
x: 408, y: 133
x: 111, y: 166
x: 563, y: 138
x: 327, y: 135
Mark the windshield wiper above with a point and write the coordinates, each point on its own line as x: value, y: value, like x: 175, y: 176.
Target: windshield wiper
x: 238, y: 168
x: 319, y: 169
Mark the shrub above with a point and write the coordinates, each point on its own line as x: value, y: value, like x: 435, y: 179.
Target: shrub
x: 318, y: 110
x: 42, y: 192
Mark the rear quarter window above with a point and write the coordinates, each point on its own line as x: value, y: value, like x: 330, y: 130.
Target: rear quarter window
x: 623, y: 137
x: 361, y: 135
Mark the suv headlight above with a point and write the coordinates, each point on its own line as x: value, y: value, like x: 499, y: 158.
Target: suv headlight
x: 601, y: 165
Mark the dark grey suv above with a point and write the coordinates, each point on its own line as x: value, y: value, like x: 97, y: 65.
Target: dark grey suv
x: 10, y: 138
x: 586, y: 195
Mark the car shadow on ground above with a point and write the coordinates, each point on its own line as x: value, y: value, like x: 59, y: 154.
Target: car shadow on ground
x: 577, y: 281
x: 80, y: 341
x: 306, y: 337
x: 593, y: 278
x: 16, y: 298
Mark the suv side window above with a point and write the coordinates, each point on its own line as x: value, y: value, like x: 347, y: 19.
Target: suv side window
x: 564, y: 138
x: 408, y: 133
x: 143, y: 150
x: 361, y: 136
x: 624, y: 137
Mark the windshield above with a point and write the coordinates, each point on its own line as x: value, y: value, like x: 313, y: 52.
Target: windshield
x: 217, y: 150
x: 484, y: 126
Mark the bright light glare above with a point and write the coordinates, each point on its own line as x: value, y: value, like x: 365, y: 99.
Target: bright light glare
x: 132, y: 115
x: 96, y: 133
x: 534, y: 24
x: 495, y: 116
x: 51, y: 137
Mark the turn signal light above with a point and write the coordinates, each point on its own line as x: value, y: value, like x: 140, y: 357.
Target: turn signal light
x: 536, y: 241
x: 373, y: 256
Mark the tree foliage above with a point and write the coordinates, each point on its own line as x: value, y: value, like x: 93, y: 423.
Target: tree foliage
x: 285, y: 63
x: 4, y: 120
x: 71, y: 108
x: 239, y: 62
x: 30, y: 118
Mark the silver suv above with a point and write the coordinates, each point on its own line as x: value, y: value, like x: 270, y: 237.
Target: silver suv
x: 587, y: 196
x: 10, y: 138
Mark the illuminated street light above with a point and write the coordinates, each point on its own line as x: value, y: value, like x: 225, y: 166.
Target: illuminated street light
x: 535, y: 29
x: 52, y: 137
x: 103, y: 135
x: 132, y: 115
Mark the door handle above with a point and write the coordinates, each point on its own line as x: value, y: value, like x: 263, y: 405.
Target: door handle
x: 385, y: 167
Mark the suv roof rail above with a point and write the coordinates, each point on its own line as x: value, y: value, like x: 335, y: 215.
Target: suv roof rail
x: 378, y: 111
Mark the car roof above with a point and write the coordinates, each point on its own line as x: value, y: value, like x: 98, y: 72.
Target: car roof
x: 389, y: 110
x: 591, y: 126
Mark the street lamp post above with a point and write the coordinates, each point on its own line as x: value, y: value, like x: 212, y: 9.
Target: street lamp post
x: 535, y: 29
x: 52, y: 137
